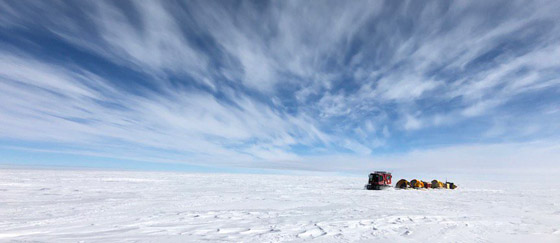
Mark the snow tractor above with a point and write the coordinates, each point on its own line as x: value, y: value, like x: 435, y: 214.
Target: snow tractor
x: 379, y: 180
x: 402, y: 184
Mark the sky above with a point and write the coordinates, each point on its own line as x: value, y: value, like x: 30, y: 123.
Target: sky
x: 320, y: 86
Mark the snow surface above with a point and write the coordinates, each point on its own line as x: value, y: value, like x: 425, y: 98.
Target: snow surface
x: 103, y: 206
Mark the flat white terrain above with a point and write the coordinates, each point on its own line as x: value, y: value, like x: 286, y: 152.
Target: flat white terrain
x: 101, y: 206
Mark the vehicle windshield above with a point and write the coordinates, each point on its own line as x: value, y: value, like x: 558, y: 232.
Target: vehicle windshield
x: 375, y: 178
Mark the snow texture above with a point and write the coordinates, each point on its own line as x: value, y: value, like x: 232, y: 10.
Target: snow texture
x: 105, y: 206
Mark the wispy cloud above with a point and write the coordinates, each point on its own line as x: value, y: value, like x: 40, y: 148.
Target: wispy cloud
x: 52, y: 103
x: 277, y: 84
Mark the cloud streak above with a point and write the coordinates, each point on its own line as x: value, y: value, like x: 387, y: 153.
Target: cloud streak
x: 277, y: 84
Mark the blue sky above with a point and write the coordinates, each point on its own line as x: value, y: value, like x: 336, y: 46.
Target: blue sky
x: 447, y: 86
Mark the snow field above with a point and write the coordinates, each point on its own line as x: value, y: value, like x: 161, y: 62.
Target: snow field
x: 121, y: 206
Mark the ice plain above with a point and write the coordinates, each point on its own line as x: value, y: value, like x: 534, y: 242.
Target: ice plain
x: 125, y: 206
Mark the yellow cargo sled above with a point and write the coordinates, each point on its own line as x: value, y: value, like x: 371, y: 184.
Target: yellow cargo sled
x: 450, y: 185
x: 402, y: 184
x: 437, y: 184
x: 416, y: 184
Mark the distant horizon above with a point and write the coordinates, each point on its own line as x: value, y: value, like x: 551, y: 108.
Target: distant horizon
x: 458, y: 178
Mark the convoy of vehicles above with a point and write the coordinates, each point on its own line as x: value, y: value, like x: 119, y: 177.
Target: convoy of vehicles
x: 380, y: 179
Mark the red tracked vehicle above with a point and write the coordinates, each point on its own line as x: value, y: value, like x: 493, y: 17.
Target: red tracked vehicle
x: 379, y: 180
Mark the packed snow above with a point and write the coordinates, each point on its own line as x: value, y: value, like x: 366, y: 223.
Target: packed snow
x: 113, y: 206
